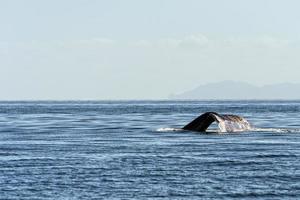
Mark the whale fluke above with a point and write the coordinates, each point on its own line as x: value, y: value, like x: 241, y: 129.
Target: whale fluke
x: 226, y: 123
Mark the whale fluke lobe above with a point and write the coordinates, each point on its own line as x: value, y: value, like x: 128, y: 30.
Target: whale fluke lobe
x: 226, y: 123
x: 202, y: 122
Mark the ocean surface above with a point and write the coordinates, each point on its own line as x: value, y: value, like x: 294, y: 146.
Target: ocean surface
x: 134, y: 150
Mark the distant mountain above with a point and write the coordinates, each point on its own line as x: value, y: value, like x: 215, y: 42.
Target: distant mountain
x: 241, y: 90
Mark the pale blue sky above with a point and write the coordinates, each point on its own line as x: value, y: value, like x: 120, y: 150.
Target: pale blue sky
x: 138, y: 49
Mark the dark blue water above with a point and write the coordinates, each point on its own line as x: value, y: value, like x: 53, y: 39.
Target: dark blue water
x: 113, y: 150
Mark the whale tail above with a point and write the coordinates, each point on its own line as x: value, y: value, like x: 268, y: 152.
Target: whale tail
x: 226, y: 123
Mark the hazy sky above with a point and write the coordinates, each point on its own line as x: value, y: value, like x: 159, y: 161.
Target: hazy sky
x: 143, y: 49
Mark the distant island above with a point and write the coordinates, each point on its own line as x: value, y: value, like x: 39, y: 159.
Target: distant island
x: 241, y: 90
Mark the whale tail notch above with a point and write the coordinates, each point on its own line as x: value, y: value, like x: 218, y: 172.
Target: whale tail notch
x: 226, y: 123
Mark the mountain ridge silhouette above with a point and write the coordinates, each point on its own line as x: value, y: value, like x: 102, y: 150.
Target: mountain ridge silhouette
x: 241, y: 90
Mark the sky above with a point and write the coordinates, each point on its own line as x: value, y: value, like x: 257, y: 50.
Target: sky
x: 143, y: 49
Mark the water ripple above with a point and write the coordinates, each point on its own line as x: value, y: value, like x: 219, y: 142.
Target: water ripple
x: 120, y: 150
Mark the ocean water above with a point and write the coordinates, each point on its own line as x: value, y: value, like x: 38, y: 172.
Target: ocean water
x: 129, y: 150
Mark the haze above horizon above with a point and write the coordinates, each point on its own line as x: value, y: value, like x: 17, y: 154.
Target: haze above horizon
x: 90, y: 50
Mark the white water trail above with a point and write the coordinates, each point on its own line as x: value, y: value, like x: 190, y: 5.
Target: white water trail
x: 275, y: 130
x: 167, y: 129
x: 233, y: 129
